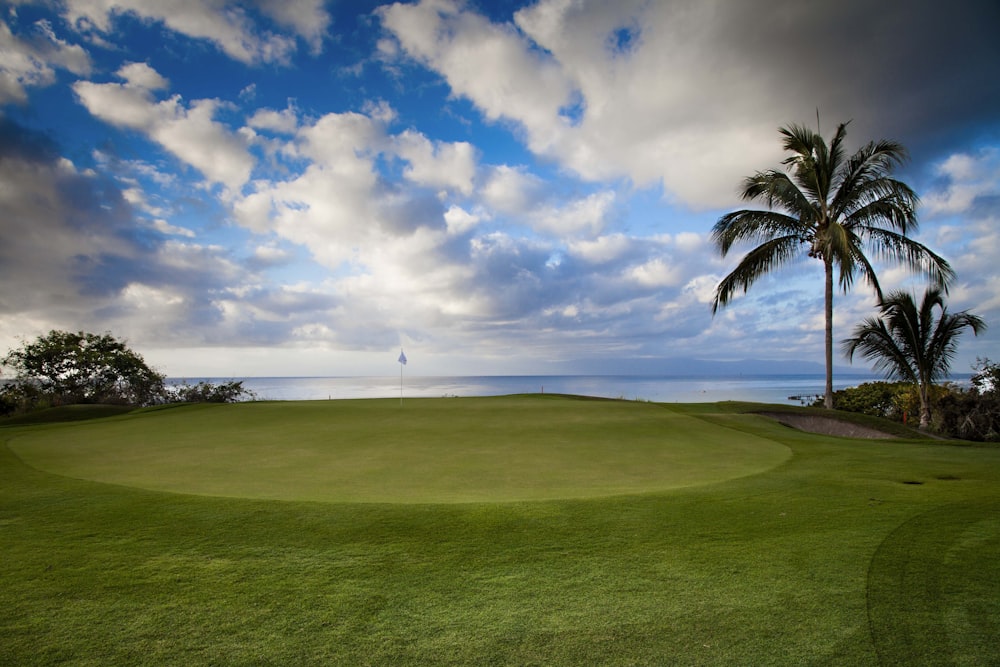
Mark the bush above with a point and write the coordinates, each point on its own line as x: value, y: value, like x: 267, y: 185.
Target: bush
x: 973, y: 414
x: 879, y: 399
x: 206, y: 392
x: 898, y: 401
x: 970, y: 414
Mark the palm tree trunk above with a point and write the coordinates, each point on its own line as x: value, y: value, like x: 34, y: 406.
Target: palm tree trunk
x: 828, y: 306
x: 925, y: 406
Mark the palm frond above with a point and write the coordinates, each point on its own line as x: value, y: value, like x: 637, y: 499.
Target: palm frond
x: 862, y: 265
x: 883, y: 202
x: 758, y: 262
x: 808, y: 160
x: 907, y: 334
x: 877, y: 344
x: 830, y: 168
x: 754, y: 226
x: 899, y: 248
x: 942, y: 342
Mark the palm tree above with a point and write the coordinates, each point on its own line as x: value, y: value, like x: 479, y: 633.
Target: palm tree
x: 835, y: 208
x: 907, y: 344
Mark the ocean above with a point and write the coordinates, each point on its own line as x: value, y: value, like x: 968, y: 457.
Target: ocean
x: 791, y: 389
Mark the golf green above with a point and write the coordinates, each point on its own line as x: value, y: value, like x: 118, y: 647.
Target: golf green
x: 501, y: 449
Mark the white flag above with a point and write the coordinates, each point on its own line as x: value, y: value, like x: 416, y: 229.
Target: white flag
x: 402, y: 357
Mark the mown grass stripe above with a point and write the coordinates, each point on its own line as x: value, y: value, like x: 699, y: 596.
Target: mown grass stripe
x: 934, y: 586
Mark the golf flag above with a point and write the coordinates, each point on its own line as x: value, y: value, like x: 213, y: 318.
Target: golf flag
x: 402, y: 357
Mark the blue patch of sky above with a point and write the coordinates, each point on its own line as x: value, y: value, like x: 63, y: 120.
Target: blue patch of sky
x: 624, y: 40
x: 575, y: 109
x: 497, y: 11
x: 647, y: 214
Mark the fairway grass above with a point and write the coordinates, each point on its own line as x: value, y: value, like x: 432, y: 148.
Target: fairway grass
x: 846, y: 552
x: 496, y: 449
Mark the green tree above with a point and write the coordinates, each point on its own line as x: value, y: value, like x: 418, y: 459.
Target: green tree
x: 80, y: 367
x: 909, y: 343
x: 834, y: 207
x: 974, y: 414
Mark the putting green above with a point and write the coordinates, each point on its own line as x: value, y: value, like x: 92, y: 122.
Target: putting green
x: 443, y: 450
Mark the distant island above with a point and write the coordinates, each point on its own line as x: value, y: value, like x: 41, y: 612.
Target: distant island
x: 675, y: 366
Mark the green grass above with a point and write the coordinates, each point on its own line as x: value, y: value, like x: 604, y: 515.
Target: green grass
x: 431, y: 450
x: 847, y: 552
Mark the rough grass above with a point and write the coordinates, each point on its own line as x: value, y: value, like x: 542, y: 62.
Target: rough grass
x: 849, y: 552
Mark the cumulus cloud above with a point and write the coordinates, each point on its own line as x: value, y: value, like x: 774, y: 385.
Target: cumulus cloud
x: 74, y: 252
x: 460, y: 221
x: 189, y: 132
x: 512, y: 189
x: 231, y: 26
x: 437, y: 164
x: 689, y: 94
x: 965, y: 179
x: 491, y: 64
x: 283, y: 122
x: 586, y: 216
x: 31, y: 62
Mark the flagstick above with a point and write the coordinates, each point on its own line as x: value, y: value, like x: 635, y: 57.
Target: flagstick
x: 402, y: 362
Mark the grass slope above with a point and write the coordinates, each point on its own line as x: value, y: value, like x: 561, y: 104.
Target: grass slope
x: 850, y: 552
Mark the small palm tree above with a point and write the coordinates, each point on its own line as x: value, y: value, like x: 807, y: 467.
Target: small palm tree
x: 835, y: 208
x: 908, y: 344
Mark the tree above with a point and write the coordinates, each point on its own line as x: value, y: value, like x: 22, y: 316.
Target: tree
x: 974, y: 414
x: 835, y: 208
x: 908, y: 343
x: 83, y: 367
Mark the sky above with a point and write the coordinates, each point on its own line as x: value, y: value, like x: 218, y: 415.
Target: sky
x: 305, y: 187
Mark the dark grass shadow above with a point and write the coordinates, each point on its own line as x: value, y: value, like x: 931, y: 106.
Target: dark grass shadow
x: 934, y: 588
x: 66, y: 413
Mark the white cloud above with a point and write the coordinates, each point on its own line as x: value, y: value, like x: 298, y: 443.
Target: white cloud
x: 460, y: 221
x: 655, y: 108
x: 967, y: 177
x: 271, y: 255
x: 190, y: 133
x: 308, y: 18
x: 142, y: 76
x: 492, y: 64
x: 511, y: 189
x: 586, y: 216
x: 335, y: 205
x: 690, y: 242
x: 437, y: 164
x: 702, y: 288
x: 226, y: 24
x: 655, y: 273
x: 165, y: 227
x: 284, y: 122
x: 29, y: 63
x: 602, y: 249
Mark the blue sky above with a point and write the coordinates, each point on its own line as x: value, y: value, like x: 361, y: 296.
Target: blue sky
x: 300, y: 188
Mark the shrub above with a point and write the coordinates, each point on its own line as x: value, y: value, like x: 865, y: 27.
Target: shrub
x: 974, y: 413
x: 206, y: 392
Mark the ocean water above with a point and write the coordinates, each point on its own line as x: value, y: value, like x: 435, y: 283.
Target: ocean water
x: 791, y: 389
